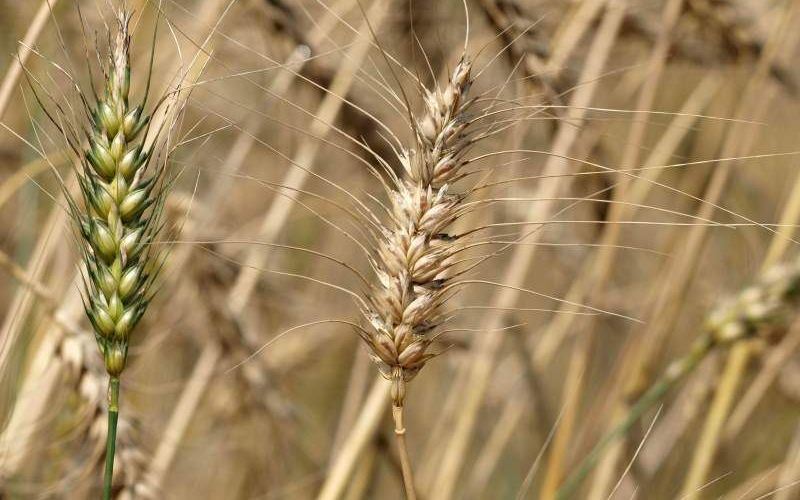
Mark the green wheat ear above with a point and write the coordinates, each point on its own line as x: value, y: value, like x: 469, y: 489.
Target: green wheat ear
x: 123, y: 190
x: 123, y: 185
x: 116, y: 226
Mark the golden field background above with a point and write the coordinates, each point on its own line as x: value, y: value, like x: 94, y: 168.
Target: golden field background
x: 672, y: 126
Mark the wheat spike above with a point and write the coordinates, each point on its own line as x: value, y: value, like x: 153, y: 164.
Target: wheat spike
x: 123, y: 187
x: 115, y: 227
x: 414, y: 257
x: 415, y: 253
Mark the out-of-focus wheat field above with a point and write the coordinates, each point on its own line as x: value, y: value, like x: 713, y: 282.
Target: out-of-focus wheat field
x: 643, y: 168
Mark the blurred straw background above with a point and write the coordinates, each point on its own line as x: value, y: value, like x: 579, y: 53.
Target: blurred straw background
x: 652, y: 165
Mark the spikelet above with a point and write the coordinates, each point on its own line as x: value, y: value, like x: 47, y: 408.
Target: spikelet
x: 759, y: 308
x: 415, y: 253
x: 121, y: 210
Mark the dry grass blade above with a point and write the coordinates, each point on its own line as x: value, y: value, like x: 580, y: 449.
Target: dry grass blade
x: 10, y: 81
x: 271, y: 225
x: 478, y: 370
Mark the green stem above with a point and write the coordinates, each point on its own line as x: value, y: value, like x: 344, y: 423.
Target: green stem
x: 111, y: 436
x: 676, y: 370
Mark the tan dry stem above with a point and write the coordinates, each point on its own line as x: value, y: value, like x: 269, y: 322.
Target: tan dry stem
x: 405, y: 462
x: 561, y: 326
x: 303, y: 161
x: 777, y: 248
x: 611, y: 234
x: 363, y: 431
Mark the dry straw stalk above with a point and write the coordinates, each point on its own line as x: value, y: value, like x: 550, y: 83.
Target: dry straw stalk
x: 476, y: 373
x: 10, y: 330
x: 273, y: 221
x: 753, y: 105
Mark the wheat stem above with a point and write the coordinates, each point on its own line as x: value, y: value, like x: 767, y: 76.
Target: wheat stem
x: 606, y: 36
x: 16, y: 66
x: 272, y: 223
x: 778, y: 245
x: 181, y: 415
x: 111, y: 436
x: 772, y: 365
x: 477, y: 372
x: 353, y: 399
x: 559, y: 328
x: 611, y: 234
x: 570, y: 34
x: 789, y: 468
x: 720, y: 406
x: 304, y: 160
x: 405, y: 462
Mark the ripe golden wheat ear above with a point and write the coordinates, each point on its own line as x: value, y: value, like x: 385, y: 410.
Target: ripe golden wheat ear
x: 417, y: 264
x: 415, y: 253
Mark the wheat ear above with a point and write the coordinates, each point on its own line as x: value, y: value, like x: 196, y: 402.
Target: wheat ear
x: 122, y: 188
x: 116, y: 231
x: 758, y: 311
x: 415, y: 253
